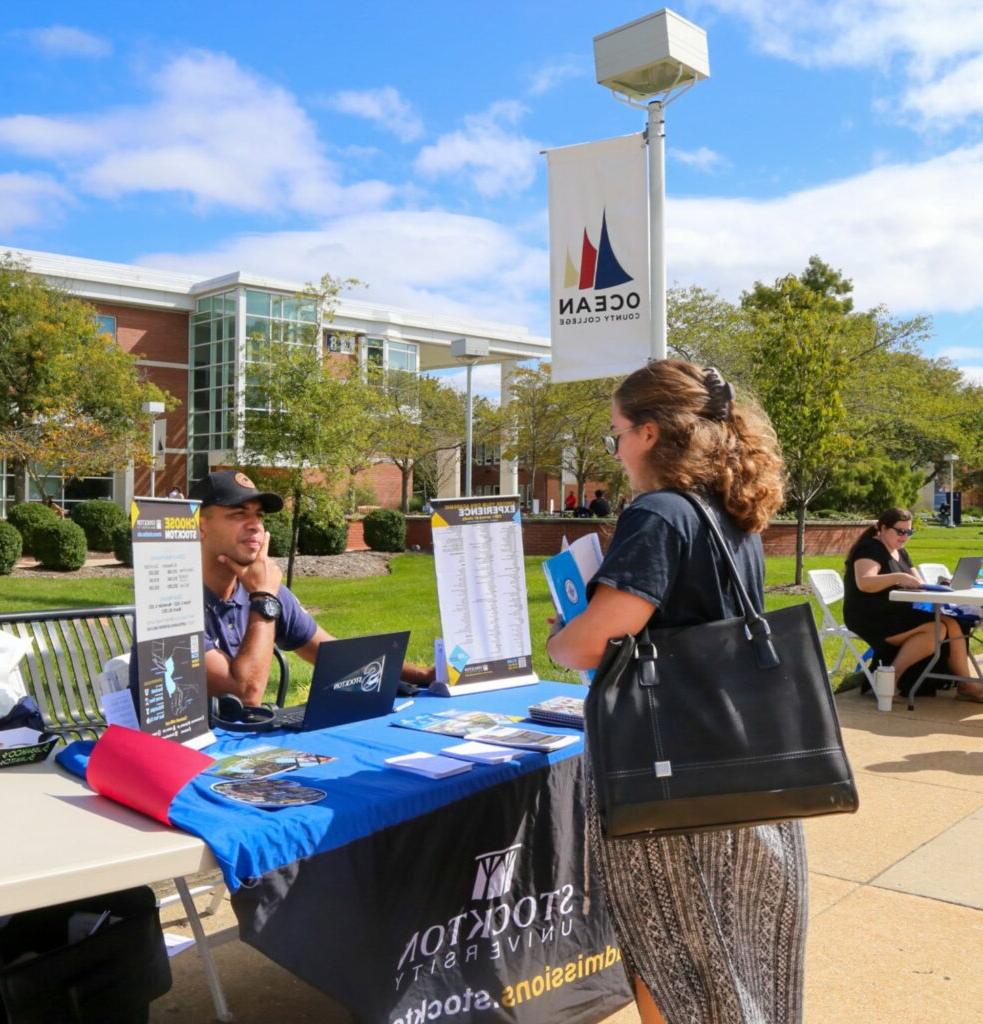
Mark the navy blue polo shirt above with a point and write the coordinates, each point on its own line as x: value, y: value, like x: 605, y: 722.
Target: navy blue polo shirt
x: 226, y: 621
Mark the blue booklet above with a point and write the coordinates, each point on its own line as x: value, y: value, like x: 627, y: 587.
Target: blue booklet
x: 567, y: 575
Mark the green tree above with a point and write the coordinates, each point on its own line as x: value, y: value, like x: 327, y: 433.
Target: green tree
x: 417, y: 417
x: 312, y: 422
x: 534, y: 421
x: 586, y: 407
x: 70, y: 397
x: 800, y: 363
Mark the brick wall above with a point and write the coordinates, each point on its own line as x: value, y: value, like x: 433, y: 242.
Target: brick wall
x: 544, y: 536
x: 160, y: 335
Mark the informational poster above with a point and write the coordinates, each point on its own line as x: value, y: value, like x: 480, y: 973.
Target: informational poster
x: 172, y: 694
x: 481, y: 588
x: 600, y: 315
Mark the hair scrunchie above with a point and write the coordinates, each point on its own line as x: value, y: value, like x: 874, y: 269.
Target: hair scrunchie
x: 720, y: 392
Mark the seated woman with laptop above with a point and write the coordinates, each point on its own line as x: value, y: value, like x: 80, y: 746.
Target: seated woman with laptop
x: 878, y: 563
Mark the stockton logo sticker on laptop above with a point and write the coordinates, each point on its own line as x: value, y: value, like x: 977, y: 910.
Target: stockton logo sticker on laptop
x: 367, y: 679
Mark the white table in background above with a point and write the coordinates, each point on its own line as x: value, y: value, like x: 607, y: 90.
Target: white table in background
x: 938, y: 598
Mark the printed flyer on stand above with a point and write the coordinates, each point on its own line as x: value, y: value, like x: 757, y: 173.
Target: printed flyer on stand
x: 481, y: 588
x: 170, y: 620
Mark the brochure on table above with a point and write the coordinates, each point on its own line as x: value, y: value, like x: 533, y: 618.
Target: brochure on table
x: 172, y: 693
x: 481, y: 588
x: 567, y: 575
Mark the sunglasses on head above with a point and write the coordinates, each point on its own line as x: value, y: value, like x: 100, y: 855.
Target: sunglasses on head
x: 902, y: 533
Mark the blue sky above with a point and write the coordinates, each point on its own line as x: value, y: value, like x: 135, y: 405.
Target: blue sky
x: 400, y: 144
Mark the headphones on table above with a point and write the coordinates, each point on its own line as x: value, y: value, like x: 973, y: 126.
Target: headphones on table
x: 229, y: 713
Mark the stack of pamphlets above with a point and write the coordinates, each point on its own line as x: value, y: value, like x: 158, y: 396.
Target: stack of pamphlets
x: 481, y: 753
x: 433, y: 766
x: 456, y: 723
x: 559, y: 711
x: 525, y: 739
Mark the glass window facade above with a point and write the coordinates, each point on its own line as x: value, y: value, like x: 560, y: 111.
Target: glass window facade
x: 66, y: 491
x: 391, y: 355
x: 106, y: 324
x: 211, y: 412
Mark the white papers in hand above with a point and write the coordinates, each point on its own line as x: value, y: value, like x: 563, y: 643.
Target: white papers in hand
x: 117, y: 706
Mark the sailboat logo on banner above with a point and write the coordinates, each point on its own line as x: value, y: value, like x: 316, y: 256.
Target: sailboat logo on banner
x: 599, y: 267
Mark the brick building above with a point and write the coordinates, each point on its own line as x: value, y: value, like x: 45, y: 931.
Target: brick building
x: 193, y: 338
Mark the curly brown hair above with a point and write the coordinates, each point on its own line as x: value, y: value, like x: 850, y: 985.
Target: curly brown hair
x: 707, y: 442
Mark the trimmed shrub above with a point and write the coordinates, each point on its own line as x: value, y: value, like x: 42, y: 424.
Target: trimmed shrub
x: 27, y: 517
x: 323, y: 531
x: 60, y: 545
x: 99, y: 519
x: 10, y: 547
x: 385, y: 529
x: 278, y: 526
x: 123, y: 544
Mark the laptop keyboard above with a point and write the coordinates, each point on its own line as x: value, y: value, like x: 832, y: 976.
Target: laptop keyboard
x: 292, y: 716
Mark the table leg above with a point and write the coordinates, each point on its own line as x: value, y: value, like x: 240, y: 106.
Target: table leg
x: 222, y: 1011
x: 936, y: 637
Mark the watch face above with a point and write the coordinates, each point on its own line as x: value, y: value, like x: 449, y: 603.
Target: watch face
x: 268, y: 607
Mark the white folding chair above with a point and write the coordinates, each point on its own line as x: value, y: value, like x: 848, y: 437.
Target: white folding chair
x: 931, y: 571
x: 827, y: 586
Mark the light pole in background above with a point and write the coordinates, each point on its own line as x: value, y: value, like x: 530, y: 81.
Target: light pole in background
x: 952, y: 458
x: 468, y: 351
x: 655, y: 58
x: 153, y: 409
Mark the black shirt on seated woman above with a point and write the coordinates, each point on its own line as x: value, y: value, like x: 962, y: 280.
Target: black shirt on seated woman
x: 874, y: 616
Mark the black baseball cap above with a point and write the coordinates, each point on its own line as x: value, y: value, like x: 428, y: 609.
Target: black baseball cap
x: 231, y: 487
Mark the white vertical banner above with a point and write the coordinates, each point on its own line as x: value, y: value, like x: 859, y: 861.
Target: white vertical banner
x: 600, y: 317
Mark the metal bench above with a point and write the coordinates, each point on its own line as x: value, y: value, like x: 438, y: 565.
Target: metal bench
x: 68, y: 648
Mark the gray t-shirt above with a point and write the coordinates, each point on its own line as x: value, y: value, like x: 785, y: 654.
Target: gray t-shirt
x: 662, y: 551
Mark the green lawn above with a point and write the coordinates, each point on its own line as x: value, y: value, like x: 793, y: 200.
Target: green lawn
x: 407, y: 599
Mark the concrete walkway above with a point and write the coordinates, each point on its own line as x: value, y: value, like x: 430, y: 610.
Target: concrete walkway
x: 896, y: 929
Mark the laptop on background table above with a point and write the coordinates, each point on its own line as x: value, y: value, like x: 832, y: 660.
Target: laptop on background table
x: 964, y: 578
x: 353, y: 679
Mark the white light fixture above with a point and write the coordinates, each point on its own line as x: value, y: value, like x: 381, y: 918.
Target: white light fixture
x: 468, y: 351
x: 153, y: 409
x: 655, y: 58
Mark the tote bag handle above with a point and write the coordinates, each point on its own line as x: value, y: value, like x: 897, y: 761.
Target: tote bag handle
x: 755, y: 625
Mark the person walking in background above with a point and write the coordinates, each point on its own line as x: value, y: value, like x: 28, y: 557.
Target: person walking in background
x: 570, y: 502
x: 599, y: 506
x: 711, y: 925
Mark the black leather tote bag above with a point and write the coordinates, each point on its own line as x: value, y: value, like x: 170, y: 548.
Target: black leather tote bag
x: 718, y: 725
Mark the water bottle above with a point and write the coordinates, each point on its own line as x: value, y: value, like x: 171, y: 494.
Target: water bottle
x: 884, y: 687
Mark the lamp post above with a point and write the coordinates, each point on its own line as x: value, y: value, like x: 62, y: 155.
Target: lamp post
x: 153, y: 409
x: 655, y: 58
x: 952, y: 458
x: 468, y: 351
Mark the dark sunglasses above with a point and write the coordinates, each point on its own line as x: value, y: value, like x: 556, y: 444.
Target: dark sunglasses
x: 902, y: 533
x: 611, y: 440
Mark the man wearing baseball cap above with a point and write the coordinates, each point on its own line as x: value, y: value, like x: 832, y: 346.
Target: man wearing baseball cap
x: 247, y: 608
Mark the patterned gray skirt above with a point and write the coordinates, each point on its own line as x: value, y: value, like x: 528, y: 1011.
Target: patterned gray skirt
x: 714, y: 923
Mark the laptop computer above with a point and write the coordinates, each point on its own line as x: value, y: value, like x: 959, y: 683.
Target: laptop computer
x: 964, y: 578
x: 353, y: 679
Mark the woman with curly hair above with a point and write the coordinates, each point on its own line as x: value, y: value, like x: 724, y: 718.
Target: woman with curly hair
x: 712, y: 924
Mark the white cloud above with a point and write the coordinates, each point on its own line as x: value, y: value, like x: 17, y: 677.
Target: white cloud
x: 29, y: 199
x: 427, y: 260
x: 556, y: 73
x: 909, y: 235
x: 486, y: 381
x: 212, y: 131
x: 65, y: 41
x: 973, y: 353
x: 973, y: 374
x: 702, y: 158
x: 936, y: 44
x: 497, y: 158
x: 385, y: 106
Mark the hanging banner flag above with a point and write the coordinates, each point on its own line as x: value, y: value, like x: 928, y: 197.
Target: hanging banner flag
x: 600, y: 319
x: 172, y: 698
